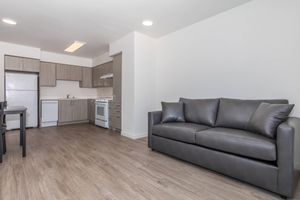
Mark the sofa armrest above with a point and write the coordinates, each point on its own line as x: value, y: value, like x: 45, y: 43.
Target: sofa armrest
x: 153, y: 118
x: 285, y: 154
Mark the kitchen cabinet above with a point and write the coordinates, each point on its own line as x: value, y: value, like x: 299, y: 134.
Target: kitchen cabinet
x: 115, y: 110
x: 86, y: 78
x: 15, y: 63
x: 115, y: 106
x: 65, y: 111
x: 108, y: 69
x: 80, y: 112
x: 101, y: 70
x: 97, y: 71
x: 91, y: 110
x: 117, y: 80
x: 68, y: 72
x: 72, y: 111
x: 31, y: 65
x: 47, y: 74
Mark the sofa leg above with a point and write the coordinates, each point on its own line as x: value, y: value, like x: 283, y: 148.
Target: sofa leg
x: 283, y: 197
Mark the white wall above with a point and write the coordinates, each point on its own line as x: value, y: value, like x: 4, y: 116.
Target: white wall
x: 145, y: 61
x: 251, y: 51
x: 138, y: 93
x: 65, y: 59
x: 103, y: 58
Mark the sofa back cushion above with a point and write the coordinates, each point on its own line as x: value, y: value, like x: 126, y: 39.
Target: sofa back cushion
x: 200, y: 111
x: 236, y: 113
x: 267, y: 118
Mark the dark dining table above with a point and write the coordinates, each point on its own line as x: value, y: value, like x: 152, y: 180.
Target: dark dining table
x: 21, y: 110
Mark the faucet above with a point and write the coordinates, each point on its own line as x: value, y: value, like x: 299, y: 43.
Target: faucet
x: 68, y: 96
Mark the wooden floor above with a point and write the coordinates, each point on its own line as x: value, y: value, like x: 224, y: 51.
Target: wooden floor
x: 89, y: 163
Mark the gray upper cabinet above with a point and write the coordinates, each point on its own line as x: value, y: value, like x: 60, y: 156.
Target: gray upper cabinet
x: 86, y: 78
x: 101, y: 70
x: 117, y: 80
x: 108, y: 69
x: 76, y: 73
x: 63, y: 72
x: 21, y: 64
x: 13, y: 63
x: 97, y: 71
x: 47, y: 74
x: 31, y: 65
x: 68, y: 72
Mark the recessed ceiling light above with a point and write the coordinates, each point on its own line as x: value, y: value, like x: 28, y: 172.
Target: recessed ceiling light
x: 76, y: 45
x: 147, y: 23
x: 9, y: 21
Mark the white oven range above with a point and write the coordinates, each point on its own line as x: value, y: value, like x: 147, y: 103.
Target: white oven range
x: 101, y: 112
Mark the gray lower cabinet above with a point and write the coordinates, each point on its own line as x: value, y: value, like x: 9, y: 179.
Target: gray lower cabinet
x: 47, y: 74
x: 91, y: 110
x: 72, y: 111
x: 115, y: 109
x: 65, y: 111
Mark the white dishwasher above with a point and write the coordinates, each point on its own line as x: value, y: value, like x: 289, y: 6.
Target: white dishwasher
x: 49, y: 113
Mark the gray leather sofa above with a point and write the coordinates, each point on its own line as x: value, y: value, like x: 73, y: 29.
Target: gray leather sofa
x: 222, y: 142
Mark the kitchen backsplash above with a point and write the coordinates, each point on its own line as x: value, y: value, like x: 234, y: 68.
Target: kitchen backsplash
x: 63, y: 88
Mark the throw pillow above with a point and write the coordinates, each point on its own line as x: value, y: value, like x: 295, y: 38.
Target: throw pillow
x: 172, y: 112
x: 267, y: 118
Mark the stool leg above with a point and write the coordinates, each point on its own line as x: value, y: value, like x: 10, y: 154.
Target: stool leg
x: 4, y: 143
x: 1, y: 148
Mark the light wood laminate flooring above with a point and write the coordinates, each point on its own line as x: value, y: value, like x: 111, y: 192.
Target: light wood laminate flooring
x: 84, y: 162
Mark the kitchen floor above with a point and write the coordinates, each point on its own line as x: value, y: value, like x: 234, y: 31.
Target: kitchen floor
x: 84, y: 162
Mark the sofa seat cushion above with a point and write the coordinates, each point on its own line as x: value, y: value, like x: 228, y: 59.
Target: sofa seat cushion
x: 238, y: 142
x: 184, y: 132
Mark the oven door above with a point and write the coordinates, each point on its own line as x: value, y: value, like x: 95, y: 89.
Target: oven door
x: 102, y: 111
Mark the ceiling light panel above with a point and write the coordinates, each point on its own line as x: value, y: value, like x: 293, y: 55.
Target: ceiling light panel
x: 9, y: 21
x: 75, y: 46
x: 147, y: 23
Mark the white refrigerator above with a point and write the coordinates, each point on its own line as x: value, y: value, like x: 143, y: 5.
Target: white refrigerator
x: 22, y: 90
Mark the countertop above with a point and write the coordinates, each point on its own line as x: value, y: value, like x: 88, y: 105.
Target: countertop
x: 57, y: 99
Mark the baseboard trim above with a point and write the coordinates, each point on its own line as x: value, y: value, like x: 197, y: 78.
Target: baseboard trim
x: 75, y: 122
x: 134, y: 136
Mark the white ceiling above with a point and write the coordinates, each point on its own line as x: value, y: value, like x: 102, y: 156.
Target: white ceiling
x: 52, y: 25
